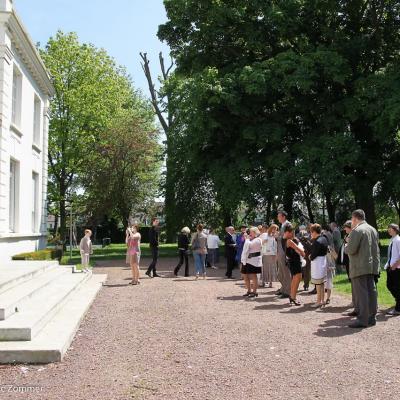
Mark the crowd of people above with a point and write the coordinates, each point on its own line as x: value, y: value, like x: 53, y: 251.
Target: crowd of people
x: 283, y: 253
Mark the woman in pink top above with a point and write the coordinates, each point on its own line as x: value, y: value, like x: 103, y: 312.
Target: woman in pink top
x: 133, y: 252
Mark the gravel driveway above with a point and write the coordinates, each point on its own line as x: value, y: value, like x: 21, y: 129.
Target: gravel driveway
x: 183, y: 339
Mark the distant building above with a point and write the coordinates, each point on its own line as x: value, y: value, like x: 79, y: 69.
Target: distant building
x: 25, y: 89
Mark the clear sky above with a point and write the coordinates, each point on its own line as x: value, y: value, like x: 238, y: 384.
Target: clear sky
x: 122, y: 27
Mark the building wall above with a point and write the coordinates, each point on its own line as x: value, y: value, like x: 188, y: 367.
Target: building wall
x: 17, y: 144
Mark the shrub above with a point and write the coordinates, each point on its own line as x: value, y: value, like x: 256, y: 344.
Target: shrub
x: 40, y: 255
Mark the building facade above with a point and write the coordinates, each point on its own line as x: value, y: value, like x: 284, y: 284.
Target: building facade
x: 25, y: 90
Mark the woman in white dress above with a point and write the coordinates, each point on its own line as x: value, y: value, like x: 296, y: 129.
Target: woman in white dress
x: 251, y: 262
x: 319, y: 250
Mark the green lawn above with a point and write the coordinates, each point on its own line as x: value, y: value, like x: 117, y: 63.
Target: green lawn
x: 385, y: 299
x: 118, y: 252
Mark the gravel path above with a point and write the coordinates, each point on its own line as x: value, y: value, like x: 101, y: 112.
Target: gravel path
x: 181, y: 339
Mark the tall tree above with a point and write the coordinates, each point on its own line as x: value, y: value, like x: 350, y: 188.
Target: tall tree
x: 90, y: 89
x: 160, y: 100
x: 123, y: 175
x: 278, y: 78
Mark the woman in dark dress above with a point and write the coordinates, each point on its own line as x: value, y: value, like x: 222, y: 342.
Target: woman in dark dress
x: 294, y: 253
x: 183, y: 247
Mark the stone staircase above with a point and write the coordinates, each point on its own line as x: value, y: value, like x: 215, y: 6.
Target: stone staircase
x: 41, y: 307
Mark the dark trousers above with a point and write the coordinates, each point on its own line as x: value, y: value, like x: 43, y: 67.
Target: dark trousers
x: 183, y: 257
x: 307, y: 274
x: 365, y: 298
x: 154, y: 254
x: 230, y: 263
x: 393, y: 285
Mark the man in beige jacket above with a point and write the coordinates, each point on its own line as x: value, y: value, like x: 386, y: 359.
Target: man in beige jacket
x: 363, y: 250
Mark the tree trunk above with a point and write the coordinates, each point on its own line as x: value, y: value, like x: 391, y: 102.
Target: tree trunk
x: 170, y: 204
x: 55, y: 224
x: 268, y: 214
x: 63, y: 220
x: 227, y: 218
x: 330, y: 207
x: 308, y: 201
x: 288, y: 200
x: 363, y: 193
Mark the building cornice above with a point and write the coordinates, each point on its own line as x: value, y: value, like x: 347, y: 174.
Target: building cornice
x: 27, y: 50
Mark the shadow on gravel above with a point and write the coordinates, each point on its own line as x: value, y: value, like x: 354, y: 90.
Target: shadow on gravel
x: 272, y: 307
x: 231, y: 298
x: 337, y: 327
x: 114, y: 285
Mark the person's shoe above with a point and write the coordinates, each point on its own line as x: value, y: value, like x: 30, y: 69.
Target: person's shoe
x: 278, y: 292
x: 294, y: 301
x: 148, y: 273
x: 357, y: 325
x: 214, y: 267
x: 372, y: 321
x: 352, y: 314
x: 155, y: 275
x: 305, y: 288
x: 246, y: 294
x: 316, y: 305
x: 251, y: 295
x: 393, y: 312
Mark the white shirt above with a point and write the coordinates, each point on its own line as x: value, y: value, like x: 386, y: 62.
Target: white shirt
x: 252, y: 246
x: 212, y: 241
x: 395, y: 247
x: 270, y: 246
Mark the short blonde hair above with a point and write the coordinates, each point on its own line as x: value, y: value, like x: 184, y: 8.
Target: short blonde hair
x: 272, y: 227
x: 186, y: 230
x: 255, y: 230
x: 88, y: 231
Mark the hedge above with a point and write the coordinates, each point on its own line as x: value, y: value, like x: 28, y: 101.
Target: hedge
x: 40, y: 255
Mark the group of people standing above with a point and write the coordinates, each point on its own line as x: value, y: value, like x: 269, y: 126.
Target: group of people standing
x: 267, y: 254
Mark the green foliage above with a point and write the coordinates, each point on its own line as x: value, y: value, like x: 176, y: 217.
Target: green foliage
x: 91, y: 93
x: 40, y: 255
x: 274, y: 96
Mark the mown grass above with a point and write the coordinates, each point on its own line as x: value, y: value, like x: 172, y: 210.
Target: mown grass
x: 118, y: 252
x: 385, y: 299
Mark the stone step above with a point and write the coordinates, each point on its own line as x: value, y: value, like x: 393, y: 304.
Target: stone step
x: 14, y: 273
x: 15, y: 299
x: 28, y: 323
x: 54, y: 339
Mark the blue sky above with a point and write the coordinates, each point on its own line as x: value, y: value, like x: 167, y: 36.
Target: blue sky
x: 122, y: 27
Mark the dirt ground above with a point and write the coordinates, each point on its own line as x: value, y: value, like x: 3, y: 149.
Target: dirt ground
x: 176, y: 338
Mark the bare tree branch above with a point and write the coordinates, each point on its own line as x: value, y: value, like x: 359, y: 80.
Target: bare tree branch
x: 153, y: 92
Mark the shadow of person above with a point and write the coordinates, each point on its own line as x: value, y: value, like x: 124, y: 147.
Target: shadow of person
x: 114, y: 285
x: 337, y: 327
x: 231, y: 298
x: 279, y: 306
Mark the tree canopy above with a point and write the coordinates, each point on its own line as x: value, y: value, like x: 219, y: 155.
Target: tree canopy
x: 284, y: 102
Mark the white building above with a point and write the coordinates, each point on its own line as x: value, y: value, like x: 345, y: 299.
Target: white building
x: 25, y: 88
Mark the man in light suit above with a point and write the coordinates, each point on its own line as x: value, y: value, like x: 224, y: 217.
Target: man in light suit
x: 363, y: 250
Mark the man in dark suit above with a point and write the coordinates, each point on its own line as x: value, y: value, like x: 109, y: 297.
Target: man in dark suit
x: 230, y: 251
x: 153, y: 239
